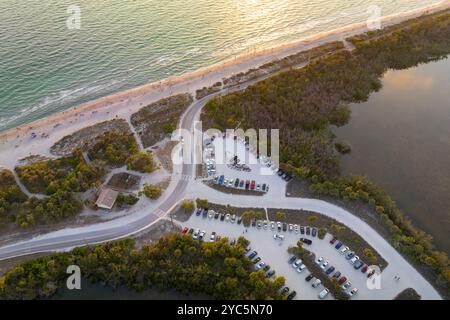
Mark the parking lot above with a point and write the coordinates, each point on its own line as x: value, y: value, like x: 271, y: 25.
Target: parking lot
x: 224, y: 152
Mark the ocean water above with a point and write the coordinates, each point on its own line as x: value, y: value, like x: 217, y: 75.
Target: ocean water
x: 46, y: 67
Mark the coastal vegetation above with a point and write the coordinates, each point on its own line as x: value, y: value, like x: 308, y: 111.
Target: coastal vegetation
x: 153, y: 122
x: 303, y: 103
x: 114, y: 148
x: 152, y: 191
x: 178, y: 262
x: 141, y: 162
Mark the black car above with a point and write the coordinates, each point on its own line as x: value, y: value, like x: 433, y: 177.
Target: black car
x: 263, y: 187
x: 330, y: 270
x: 280, y: 172
x: 302, y: 230
x: 291, y: 295
x: 284, y: 290
x: 284, y: 226
x: 253, y: 223
x: 307, y: 241
x: 205, y: 213
x: 337, y: 275
x: 199, y: 212
x: 308, y: 278
x: 358, y: 264
x: 216, y: 215
x: 191, y: 231
x: 314, y: 232
x: 270, y: 274
x: 350, y: 255
x: 257, y: 260
x: 338, y: 245
x: 239, y: 220
x: 308, y: 231
x: 292, y: 259
x: 289, y: 178
x: 222, y: 217
x: 266, y: 268
x: 236, y: 183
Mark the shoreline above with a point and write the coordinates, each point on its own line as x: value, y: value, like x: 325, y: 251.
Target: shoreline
x: 122, y: 104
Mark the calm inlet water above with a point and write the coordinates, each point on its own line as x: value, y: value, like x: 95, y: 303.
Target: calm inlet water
x: 45, y: 67
x: 401, y: 139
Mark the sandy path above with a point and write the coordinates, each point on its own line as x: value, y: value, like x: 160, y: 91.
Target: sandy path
x: 17, y: 143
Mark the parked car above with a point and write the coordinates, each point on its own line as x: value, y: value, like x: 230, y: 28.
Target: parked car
x: 284, y: 290
x: 308, y: 231
x: 185, y: 230
x: 239, y: 220
x: 191, y: 231
x: 306, y: 241
x: 258, y: 187
x: 371, y: 273
x: 342, y: 280
x: 265, y: 225
x: 353, y: 292
x: 358, y: 264
x: 332, y: 241
x: 338, y: 245
x: 205, y: 213
x: 270, y: 274
x: 260, y: 265
x: 301, y: 268
x: 330, y: 270
x: 279, y: 226
x: 346, y: 285
x: 213, y: 237
x: 309, y: 277
x: 297, y: 263
x: 296, y: 228
x: 349, y: 255
x: 198, y: 212
x: 241, y: 184
x: 216, y: 216
x: 196, y: 234
x: 291, y: 295
x: 227, y: 217
x: 236, y: 183
x: 314, y: 232
x: 364, y: 269
x: 316, y: 283
x: 319, y: 261
x: 292, y: 259
x: 201, y: 235
x: 247, y: 185
x: 284, y: 226
x: 253, y: 223
x: 291, y: 227
x: 344, y: 250
x: 259, y: 224
x: 258, y: 259
x: 324, y: 265
x: 263, y: 188
x: 354, y: 259
x: 211, y: 214
x: 337, y: 274
x: 222, y: 217
x: 272, y: 225
x: 302, y: 230
x: 233, y: 218
x: 252, y: 255
x: 266, y: 268
x: 253, y: 185
x: 324, y: 293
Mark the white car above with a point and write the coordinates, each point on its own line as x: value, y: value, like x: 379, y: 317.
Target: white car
x: 277, y: 236
x: 353, y: 292
x: 265, y: 225
x: 260, y: 265
x: 344, y: 250
x: 227, y: 217
x: 296, y: 228
x: 301, y: 268
x: 324, y: 265
x: 346, y: 285
x: 324, y: 293
x: 354, y: 259
x: 201, y: 235
x: 319, y: 261
x: 195, y: 235
x: 297, y: 263
x: 316, y: 283
x: 211, y: 214
x: 291, y: 227
x: 213, y: 237
x: 272, y: 225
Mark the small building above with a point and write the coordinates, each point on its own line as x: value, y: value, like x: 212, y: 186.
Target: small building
x: 107, y: 198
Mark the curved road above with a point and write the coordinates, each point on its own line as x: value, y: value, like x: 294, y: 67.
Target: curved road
x: 131, y: 224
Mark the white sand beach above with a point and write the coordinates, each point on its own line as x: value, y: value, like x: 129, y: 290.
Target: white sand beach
x: 17, y: 143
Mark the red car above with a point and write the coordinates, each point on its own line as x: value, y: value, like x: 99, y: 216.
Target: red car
x: 332, y: 241
x: 185, y: 230
x: 364, y: 269
x: 371, y: 273
x: 253, y: 185
x: 342, y: 280
x: 247, y: 185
